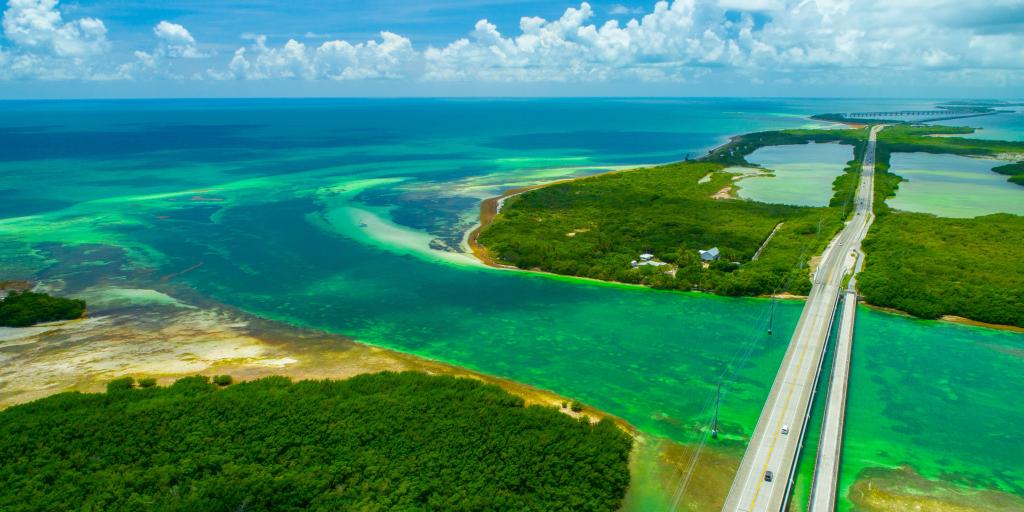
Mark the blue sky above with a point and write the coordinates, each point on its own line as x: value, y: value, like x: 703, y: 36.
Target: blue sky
x: 135, y: 48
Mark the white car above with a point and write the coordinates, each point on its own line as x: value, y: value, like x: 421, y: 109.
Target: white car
x: 785, y: 430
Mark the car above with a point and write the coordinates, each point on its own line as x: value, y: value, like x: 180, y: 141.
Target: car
x: 768, y: 476
x: 785, y: 430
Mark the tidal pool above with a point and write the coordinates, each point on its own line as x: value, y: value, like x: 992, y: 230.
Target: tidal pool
x: 803, y: 173
x: 953, y: 186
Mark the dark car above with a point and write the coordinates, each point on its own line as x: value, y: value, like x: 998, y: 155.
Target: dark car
x: 768, y: 476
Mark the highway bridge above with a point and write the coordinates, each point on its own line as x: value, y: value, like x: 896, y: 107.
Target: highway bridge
x: 903, y: 116
x: 765, y: 476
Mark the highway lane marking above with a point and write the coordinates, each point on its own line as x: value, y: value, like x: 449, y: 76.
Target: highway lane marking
x: 775, y: 436
x: 855, y: 231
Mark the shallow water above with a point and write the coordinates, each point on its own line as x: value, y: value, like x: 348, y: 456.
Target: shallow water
x: 802, y: 173
x: 335, y: 213
x: 953, y: 186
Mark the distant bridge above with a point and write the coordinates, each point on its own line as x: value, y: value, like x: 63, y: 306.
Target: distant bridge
x: 918, y: 115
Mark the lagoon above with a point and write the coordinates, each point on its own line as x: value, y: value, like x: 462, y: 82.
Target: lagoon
x: 953, y: 186
x: 802, y: 174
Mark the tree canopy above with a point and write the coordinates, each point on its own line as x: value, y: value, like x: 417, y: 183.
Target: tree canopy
x: 386, y: 441
x: 25, y: 308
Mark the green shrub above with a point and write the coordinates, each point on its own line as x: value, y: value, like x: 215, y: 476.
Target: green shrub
x: 122, y: 384
x: 147, y: 382
x: 222, y: 380
x: 576, y: 406
x: 22, y: 309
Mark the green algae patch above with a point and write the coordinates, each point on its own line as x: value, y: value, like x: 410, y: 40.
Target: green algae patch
x: 900, y: 489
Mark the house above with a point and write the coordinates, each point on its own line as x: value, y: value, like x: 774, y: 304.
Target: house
x: 709, y: 255
x: 647, y: 260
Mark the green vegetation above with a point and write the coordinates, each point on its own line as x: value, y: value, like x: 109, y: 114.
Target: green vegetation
x: 595, y: 227
x: 22, y: 309
x: 931, y: 266
x: 375, y: 442
x: 222, y: 380
x: 909, y: 139
x: 1014, y: 171
x: 147, y: 382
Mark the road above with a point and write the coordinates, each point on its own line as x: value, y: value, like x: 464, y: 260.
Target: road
x: 825, y: 483
x: 778, y: 437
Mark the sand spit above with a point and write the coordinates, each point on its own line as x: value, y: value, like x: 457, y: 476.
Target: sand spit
x: 169, y: 340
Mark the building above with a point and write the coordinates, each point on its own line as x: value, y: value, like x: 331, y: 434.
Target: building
x: 709, y: 255
x: 647, y: 259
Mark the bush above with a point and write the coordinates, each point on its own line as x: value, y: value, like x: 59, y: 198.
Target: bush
x: 222, y: 380
x: 122, y: 384
x: 576, y: 406
x: 147, y: 382
x: 22, y: 309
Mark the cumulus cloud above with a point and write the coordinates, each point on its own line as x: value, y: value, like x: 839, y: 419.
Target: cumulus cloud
x: 44, y: 46
x: 176, y: 41
x: 37, y: 26
x: 758, y: 41
x: 390, y: 57
x: 687, y: 39
x: 659, y: 46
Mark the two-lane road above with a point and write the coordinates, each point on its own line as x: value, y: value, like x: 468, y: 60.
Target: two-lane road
x: 778, y: 437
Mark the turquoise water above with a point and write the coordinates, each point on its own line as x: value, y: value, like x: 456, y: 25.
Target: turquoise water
x: 802, y: 174
x: 953, y: 186
x: 941, y: 398
x: 1004, y: 126
x: 348, y: 215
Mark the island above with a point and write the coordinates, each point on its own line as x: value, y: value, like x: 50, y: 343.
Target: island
x: 680, y: 226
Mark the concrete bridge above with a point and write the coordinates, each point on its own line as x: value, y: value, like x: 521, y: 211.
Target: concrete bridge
x: 918, y: 115
x: 778, y: 438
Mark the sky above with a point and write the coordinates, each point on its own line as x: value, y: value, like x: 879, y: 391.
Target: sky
x: 266, y: 48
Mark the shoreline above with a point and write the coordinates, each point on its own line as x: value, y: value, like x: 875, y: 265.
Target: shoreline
x: 248, y: 347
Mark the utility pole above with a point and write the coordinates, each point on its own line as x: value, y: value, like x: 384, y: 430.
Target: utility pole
x: 771, y: 316
x: 714, y: 425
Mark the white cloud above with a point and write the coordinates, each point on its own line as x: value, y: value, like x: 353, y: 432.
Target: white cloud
x: 37, y: 26
x: 622, y: 10
x: 46, y: 47
x: 390, y: 57
x: 176, y: 41
x: 867, y: 42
